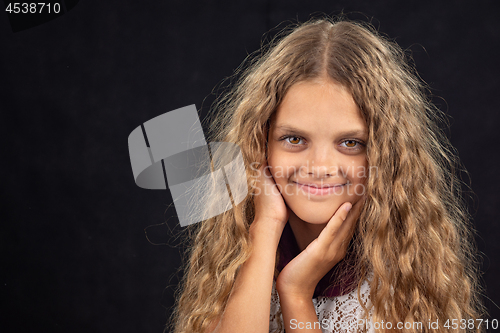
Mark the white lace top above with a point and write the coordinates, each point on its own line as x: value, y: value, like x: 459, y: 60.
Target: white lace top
x: 341, y: 314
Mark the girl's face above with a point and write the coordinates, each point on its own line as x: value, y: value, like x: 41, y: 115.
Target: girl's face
x: 317, y: 149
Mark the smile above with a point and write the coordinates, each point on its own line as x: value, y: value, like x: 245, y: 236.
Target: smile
x: 320, y: 191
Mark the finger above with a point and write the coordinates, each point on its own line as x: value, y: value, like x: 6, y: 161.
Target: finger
x: 262, y: 176
x: 268, y: 184
x: 346, y: 230
x: 267, y: 171
x: 347, y: 226
x: 337, y: 219
x: 342, y: 223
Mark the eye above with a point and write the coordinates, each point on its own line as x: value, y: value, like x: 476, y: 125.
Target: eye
x: 294, y: 140
x: 352, y: 144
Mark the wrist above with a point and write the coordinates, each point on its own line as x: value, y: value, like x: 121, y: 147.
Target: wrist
x: 298, y: 294
x: 299, y: 299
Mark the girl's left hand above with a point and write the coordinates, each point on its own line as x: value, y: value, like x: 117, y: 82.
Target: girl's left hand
x: 301, y: 275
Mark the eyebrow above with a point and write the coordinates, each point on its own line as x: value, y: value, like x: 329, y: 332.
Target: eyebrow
x: 289, y: 128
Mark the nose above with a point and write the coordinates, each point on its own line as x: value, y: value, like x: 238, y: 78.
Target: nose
x: 322, y: 162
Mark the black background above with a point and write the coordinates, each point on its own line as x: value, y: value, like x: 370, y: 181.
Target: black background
x: 75, y: 256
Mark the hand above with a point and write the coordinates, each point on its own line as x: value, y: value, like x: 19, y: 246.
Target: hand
x: 301, y: 275
x: 269, y: 203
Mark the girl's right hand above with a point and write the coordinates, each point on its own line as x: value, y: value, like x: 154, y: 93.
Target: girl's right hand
x: 270, y: 207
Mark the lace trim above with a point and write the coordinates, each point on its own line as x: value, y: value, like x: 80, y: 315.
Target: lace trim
x: 340, y: 314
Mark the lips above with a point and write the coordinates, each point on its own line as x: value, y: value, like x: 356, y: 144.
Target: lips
x: 321, y: 190
x: 319, y: 186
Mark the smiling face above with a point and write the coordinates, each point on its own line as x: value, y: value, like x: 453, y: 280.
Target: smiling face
x: 317, y: 150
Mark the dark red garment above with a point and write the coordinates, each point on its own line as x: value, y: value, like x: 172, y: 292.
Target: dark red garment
x: 328, y: 286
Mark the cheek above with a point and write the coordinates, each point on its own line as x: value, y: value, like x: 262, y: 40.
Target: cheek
x: 357, y: 176
x: 281, y: 166
x: 357, y: 170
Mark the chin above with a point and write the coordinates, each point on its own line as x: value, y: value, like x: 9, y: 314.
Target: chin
x: 315, y: 215
x: 317, y: 220
x: 318, y: 212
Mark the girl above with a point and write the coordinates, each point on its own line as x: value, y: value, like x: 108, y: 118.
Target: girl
x: 354, y: 219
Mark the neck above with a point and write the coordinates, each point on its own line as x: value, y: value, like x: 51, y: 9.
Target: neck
x: 304, y: 232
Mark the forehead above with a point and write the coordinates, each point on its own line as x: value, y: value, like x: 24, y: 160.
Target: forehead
x: 318, y: 106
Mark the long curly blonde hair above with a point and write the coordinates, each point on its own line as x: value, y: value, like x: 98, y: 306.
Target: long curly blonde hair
x: 413, y: 238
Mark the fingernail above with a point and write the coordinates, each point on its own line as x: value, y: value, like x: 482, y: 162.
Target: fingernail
x: 348, y: 207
